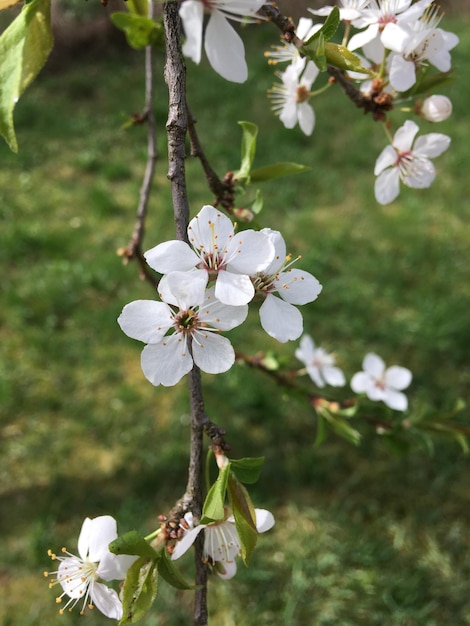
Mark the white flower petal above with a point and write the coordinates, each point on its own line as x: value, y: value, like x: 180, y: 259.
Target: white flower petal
x: 145, y: 320
x: 192, y: 16
x: 222, y: 316
x: 167, y: 362
x: 402, y: 73
x: 360, y: 382
x: 184, y: 289
x: 84, y: 538
x: 69, y: 575
x: 387, y: 158
x: 387, y: 186
x: 421, y: 175
x: 306, y: 116
x: 171, y: 256
x: 403, y: 138
x: 333, y: 376
x: 395, y: 400
x: 186, y: 542
x: 398, y: 377
x: 316, y: 375
x: 212, y: 353
x: 279, y: 257
x: 431, y: 145
x: 225, y: 49
x: 288, y: 115
x: 264, y: 520
x: 106, y: 600
x: 394, y: 37
x: 280, y: 320
x: 102, y: 531
x: 250, y: 252
x: 297, y: 287
x: 234, y: 289
x: 364, y: 37
x: 210, y: 230
x: 373, y: 365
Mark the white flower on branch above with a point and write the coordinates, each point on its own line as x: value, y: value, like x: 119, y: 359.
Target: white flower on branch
x: 188, y: 311
x: 282, y: 287
x: 222, y: 44
x: 225, y: 256
x: 320, y: 364
x: 221, y: 541
x: 289, y: 52
x: 290, y: 98
x: 419, y: 44
x: 380, y: 384
x: 79, y: 576
x: 349, y: 10
x: 408, y: 163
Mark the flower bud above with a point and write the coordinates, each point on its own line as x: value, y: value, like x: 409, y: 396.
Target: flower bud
x: 436, y: 108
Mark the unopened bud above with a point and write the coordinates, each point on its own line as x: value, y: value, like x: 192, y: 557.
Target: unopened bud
x: 436, y: 108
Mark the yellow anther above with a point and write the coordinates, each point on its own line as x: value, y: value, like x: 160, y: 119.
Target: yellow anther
x: 61, y: 611
x: 64, y: 549
x: 46, y: 574
x: 58, y: 600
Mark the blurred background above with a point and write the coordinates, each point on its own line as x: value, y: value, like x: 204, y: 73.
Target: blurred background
x: 364, y: 536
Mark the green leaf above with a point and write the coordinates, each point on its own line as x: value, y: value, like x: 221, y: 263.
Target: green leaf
x: 322, y: 431
x: 24, y: 48
x: 268, y: 172
x: 168, y: 570
x: 214, y: 505
x: 344, y: 59
x: 250, y: 132
x: 327, y: 31
x: 319, y: 57
x: 247, y: 470
x: 245, y: 517
x: 429, y: 83
x: 139, y: 590
x: 138, y: 7
x: 258, y: 202
x: 132, y: 542
x: 140, y: 31
x: 340, y: 426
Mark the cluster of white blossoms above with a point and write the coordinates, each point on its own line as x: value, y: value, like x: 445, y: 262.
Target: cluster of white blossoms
x: 80, y: 576
x: 376, y: 381
x: 397, y: 42
x: 205, y: 289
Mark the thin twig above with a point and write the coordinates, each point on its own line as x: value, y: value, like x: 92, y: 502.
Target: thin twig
x: 134, y: 248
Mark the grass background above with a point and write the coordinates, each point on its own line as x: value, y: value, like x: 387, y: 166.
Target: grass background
x: 363, y: 537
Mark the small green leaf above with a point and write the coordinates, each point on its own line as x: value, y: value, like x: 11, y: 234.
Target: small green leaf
x: 140, y: 31
x: 139, y: 590
x: 214, y: 505
x: 138, y: 7
x: 319, y: 57
x: 24, y: 48
x: 429, y: 83
x: 132, y: 542
x: 248, y: 150
x: 168, y: 570
x: 247, y: 470
x: 340, y: 426
x: 322, y: 431
x: 268, y: 172
x: 258, y: 202
x: 245, y: 517
x: 344, y: 59
x: 328, y: 29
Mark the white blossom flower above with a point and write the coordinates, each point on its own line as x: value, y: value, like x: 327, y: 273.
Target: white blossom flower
x: 290, y: 98
x: 289, y: 52
x: 188, y: 311
x: 319, y: 364
x: 279, y: 318
x: 79, y: 576
x: 436, y: 108
x: 222, y: 44
x: 221, y: 541
x: 408, y: 163
x: 378, y: 18
x: 227, y: 257
x: 382, y: 384
x: 418, y: 44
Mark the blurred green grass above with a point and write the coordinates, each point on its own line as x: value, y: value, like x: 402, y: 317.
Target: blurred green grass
x: 362, y: 537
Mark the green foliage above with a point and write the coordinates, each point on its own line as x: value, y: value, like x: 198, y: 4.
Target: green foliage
x: 214, y: 504
x: 169, y: 572
x: 140, y: 31
x: 139, y: 590
x: 247, y: 470
x: 132, y: 542
x: 245, y: 517
x: 24, y: 48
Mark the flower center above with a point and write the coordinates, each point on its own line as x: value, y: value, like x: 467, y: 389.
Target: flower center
x: 76, y: 577
x: 303, y: 94
x: 186, y: 321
